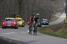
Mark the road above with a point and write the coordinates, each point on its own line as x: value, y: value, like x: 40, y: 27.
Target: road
x: 22, y: 35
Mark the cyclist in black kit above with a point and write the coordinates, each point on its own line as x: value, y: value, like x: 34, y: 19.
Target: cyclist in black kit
x: 35, y: 24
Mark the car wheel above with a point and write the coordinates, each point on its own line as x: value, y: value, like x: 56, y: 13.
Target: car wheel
x: 3, y: 27
x: 22, y: 25
x: 16, y: 27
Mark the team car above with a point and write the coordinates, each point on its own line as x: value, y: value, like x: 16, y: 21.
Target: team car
x: 9, y: 22
x: 20, y: 22
x: 43, y: 22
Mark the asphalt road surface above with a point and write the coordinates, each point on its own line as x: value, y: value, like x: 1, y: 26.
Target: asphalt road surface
x: 22, y: 35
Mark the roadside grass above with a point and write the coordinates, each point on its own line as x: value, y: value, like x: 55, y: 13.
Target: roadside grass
x: 58, y: 32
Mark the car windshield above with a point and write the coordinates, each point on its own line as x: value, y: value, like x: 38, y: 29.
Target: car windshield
x: 45, y: 20
x: 18, y: 19
x: 9, y: 19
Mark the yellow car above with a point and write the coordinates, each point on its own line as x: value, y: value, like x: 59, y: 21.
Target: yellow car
x: 20, y: 22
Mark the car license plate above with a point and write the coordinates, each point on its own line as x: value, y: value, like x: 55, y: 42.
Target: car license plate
x: 8, y: 25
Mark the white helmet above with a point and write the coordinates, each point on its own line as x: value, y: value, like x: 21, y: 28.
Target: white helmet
x: 37, y: 14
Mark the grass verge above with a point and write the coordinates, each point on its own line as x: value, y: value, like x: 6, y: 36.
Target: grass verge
x: 60, y: 33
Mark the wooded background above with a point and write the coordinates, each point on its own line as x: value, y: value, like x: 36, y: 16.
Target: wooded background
x: 24, y: 8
